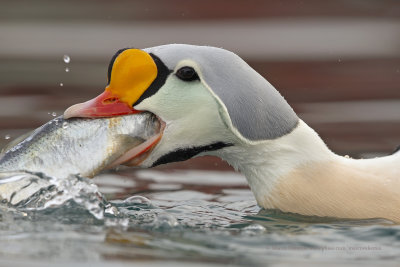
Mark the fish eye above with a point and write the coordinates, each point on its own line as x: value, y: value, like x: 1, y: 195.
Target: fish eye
x: 187, y: 74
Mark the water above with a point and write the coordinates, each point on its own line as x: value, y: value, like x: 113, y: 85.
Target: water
x: 66, y: 59
x: 158, y: 216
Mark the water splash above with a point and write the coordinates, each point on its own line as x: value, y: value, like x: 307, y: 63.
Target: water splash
x: 35, y: 192
x: 7, y: 136
x: 77, y: 200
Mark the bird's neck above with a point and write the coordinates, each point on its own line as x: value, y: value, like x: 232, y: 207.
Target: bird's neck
x: 298, y: 173
x: 265, y: 163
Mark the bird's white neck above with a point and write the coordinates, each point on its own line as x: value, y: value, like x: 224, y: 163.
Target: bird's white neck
x: 298, y: 173
x: 264, y: 163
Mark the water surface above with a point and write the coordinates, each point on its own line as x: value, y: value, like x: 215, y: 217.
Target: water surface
x: 185, y: 217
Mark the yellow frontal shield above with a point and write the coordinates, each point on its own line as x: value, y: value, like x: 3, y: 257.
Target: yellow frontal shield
x: 132, y: 73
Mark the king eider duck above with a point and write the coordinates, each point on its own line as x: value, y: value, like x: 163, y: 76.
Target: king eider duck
x: 212, y: 103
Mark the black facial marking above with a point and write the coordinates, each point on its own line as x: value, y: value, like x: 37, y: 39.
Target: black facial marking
x: 112, y: 62
x: 187, y: 74
x: 187, y: 153
x: 162, y: 75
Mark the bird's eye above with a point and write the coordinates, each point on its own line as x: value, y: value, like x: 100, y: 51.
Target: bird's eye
x: 187, y: 74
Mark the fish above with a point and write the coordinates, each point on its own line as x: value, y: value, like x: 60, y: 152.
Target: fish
x: 81, y: 146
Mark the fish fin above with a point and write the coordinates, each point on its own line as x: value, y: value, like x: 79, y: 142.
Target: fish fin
x: 127, y: 141
x: 123, y: 141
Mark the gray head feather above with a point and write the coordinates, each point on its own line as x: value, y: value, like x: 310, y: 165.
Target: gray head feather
x: 256, y: 108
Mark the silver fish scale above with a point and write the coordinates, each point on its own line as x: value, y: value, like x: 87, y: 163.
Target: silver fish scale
x: 79, y: 146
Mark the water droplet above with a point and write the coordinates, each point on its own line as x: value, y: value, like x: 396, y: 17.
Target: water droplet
x: 339, y: 60
x: 53, y: 114
x: 137, y: 200
x: 61, y: 84
x: 65, y: 125
x: 67, y: 59
x: 116, y: 222
x: 347, y: 156
x: 165, y: 221
x: 254, y: 229
x: 109, y: 209
x: 66, y: 69
x: 7, y: 137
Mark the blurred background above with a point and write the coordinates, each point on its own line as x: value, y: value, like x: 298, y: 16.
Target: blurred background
x: 336, y: 62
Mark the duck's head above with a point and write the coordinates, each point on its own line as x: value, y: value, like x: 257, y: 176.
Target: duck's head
x: 208, y: 99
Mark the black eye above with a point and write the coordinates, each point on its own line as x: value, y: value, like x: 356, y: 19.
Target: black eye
x: 187, y: 74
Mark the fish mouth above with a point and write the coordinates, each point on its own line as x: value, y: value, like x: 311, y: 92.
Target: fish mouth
x: 136, y: 155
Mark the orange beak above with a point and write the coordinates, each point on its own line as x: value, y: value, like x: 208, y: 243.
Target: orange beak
x: 132, y: 73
